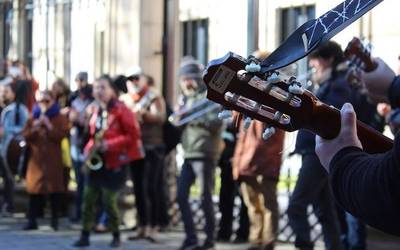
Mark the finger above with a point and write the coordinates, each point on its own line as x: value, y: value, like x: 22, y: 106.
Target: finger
x: 348, y: 120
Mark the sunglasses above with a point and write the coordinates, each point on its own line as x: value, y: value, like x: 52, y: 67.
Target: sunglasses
x: 45, y: 101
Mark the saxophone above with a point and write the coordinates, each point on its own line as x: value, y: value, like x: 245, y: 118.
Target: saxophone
x: 94, y: 160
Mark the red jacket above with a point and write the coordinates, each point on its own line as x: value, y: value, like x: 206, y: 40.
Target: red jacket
x: 123, y: 137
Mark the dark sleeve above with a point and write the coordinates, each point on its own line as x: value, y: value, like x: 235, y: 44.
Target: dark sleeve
x: 337, y: 92
x: 368, y: 186
x: 394, y: 93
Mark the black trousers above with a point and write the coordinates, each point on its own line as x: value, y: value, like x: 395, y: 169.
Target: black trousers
x: 36, y: 202
x: 156, y: 186
x: 150, y: 188
x: 141, y: 200
x: 8, y: 191
x: 228, y: 192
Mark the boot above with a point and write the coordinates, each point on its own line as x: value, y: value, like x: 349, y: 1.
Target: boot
x: 83, y: 240
x: 116, y: 241
x: 32, y: 225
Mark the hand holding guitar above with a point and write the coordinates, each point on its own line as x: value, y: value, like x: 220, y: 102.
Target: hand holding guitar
x: 327, y: 149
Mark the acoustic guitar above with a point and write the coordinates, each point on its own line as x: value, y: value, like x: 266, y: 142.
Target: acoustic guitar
x: 358, y: 55
x: 278, y: 102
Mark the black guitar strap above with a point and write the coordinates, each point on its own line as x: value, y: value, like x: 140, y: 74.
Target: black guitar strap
x: 316, y: 31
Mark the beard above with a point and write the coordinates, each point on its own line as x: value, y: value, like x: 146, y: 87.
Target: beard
x: 7, y: 102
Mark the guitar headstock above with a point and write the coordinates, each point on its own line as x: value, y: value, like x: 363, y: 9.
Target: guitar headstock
x: 358, y: 53
x: 280, y: 103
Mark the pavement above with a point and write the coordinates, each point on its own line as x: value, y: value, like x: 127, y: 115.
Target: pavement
x: 14, y: 238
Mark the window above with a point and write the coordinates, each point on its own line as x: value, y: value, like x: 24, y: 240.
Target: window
x: 290, y: 20
x: 195, y: 39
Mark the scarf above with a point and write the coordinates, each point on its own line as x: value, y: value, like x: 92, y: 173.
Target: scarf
x: 50, y: 113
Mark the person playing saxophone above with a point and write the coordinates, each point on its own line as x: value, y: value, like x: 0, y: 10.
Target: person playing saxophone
x: 114, y: 141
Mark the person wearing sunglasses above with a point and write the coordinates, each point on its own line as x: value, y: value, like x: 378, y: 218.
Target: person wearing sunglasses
x: 45, y: 177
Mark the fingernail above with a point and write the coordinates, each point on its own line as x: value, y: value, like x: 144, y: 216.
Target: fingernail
x: 347, y: 107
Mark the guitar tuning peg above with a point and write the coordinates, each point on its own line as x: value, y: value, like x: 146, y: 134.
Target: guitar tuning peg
x: 225, y: 114
x: 274, y: 78
x: 296, y: 89
x: 268, y: 132
x: 253, y: 67
x: 246, y: 123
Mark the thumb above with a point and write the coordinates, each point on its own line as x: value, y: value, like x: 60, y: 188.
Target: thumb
x: 348, y: 120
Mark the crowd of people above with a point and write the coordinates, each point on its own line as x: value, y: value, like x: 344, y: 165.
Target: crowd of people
x: 117, y: 128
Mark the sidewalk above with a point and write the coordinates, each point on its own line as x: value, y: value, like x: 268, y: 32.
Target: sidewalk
x: 13, y: 238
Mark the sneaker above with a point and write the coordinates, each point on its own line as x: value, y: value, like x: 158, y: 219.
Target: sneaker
x: 190, y: 245
x: 6, y: 211
x: 141, y: 233
x: 240, y: 240
x: 82, y: 242
x: 30, y: 226
x: 115, y: 243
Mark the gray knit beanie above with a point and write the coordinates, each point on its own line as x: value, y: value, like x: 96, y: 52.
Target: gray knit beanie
x: 191, y: 68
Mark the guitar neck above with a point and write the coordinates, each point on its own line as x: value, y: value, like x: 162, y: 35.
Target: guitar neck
x: 326, y: 123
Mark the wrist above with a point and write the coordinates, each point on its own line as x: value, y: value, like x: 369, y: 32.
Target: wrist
x: 337, y: 157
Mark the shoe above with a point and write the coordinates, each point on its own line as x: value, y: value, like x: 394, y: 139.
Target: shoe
x: 31, y: 226
x: 83, y: 240
x: 208, y: 245
x: 240, y: 240
x: 115, y: 243
x: 141, y: 234
x: 190, y: 245
x: 81, y: 243
x: 255, y: 247
x: 269, y: 247
x: 223, y: 239
x: 152, y: 234
x: 6, y: 211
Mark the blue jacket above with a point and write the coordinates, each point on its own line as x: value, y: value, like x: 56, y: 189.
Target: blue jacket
x: 12, y: 124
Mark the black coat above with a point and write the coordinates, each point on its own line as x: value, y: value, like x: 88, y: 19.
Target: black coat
x: 336, y: 91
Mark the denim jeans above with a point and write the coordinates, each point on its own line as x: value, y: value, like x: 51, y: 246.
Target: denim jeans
x: 353, y: 231
x: 203, y: 170
x: 312, y: 188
